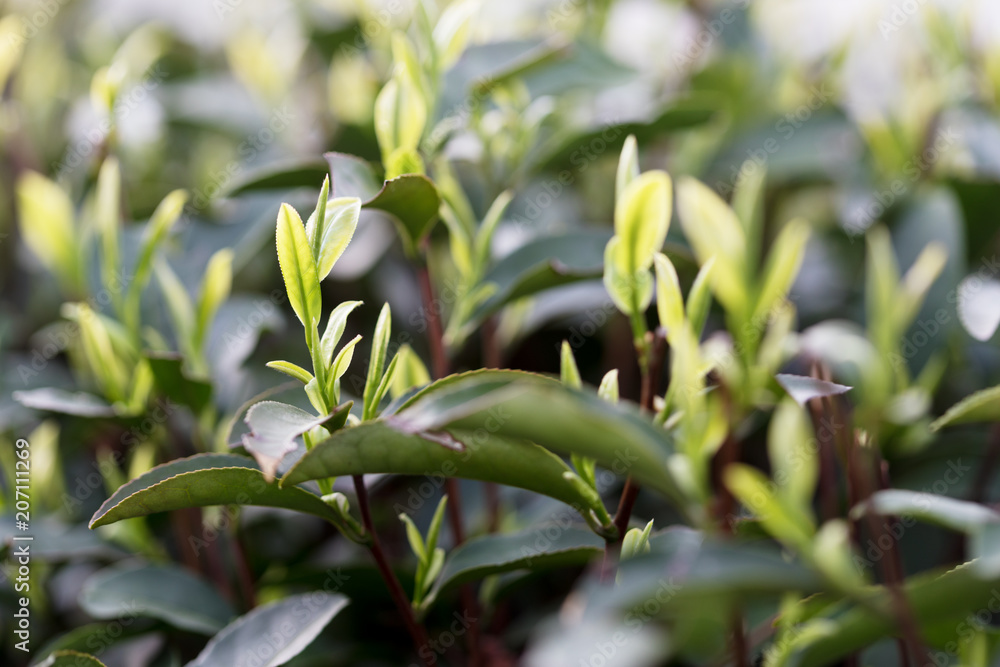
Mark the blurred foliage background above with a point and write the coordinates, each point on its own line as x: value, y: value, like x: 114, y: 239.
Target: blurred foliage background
x: 860, y: 111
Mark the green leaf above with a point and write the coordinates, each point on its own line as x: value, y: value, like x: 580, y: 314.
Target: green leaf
x: 783, y: 263
x: 335, y: 328
x: 291, y: 370
x: 981, y: 406
x: 329, y: 238
x: 792, y: 450
x: 631, y: 293
x: 789, y: 522
x: 46, y: 225
x: 279, y: 630
x: 608, y: 390
x: 273, y: 429
x: 182, y: 314
x: 847, y: 627
x: 642, y: 218
x: 384, y: 384
x: 636, y: 542
x: 165, y: 592
x: 400, y: 115
x: 281, y: 176
x: 412, y: 201
x: 543, y: 547
x: 959, y: 515
x: 380, y: 346
x: 108, y: 220
x: 340, y: 365
x: 669, y: 301
x: 700, y: 298
x: 539, y: 410
x: 451, y: 32
x: 484, y: 238
x: 297, y: 266
x: 748, y: 205
x: 200, y: 481
x: 384, y: 447
x: 714, y: 231
x: 568, y: 372
x: 984, y: 547
x: 414, y: 538
x: 434, y: 530
x: 410, y: 373
x: 215, y: 288
x: 628, y: 167
x: 70, y: 659
x: 174, y: 383
x: 159, y: 225
x: 803, y: 388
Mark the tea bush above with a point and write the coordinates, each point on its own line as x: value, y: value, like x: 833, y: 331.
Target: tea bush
x: 626, y: 333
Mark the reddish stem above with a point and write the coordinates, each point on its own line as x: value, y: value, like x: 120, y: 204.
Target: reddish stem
x: 416, y: 630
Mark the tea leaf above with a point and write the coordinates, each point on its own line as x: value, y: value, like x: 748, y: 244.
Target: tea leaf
x: 279, y: 630
x: 297, y: 266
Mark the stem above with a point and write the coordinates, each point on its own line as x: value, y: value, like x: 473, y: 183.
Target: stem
x: 650, y: 353
x: 416, y: 630
x: 435, y: 332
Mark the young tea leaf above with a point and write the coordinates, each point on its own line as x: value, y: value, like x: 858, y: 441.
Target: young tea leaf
x: 297, y: 266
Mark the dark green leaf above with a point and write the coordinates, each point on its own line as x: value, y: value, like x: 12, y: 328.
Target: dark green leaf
x: 71, y: 659
x: 299, y: 174
x: 173, y: 382
x: 383, y: 447
x: 274, y: 633
x: 200, y: 481
x: 412, y: 201
x: 165, y: 592
x: 981, y: 406
x: 960, y: 515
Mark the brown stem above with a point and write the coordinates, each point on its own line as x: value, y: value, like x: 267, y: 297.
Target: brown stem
x: 650, y: 378
x: 435, y: 333
x: 416, y: 630
x: 825, y: 428
x: 243, y: 571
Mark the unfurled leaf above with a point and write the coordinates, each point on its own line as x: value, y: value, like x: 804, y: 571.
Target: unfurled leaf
x: 783, y: 264
x: 182, y: 313
x: 376, y: 364
x: 400, y: 116
x: 108, y: 222
x: 608, y: 390
x: 568, y: 372
x: 410, y: 373
x: 714, y: 231
x: 792, y: 450
x: 291, y: 370
x: 335, y: 329
x: 636, y: 542
x: 451, y: 32
x: 273, y: 633
x: 642, y: 218
x: 982, y: 406
x: 628, y: 167
x: 491, y: 220
x: 159, y: 225
x: 787, y: 521
x: 669, y: 301
x: 173, y: 381
x: 329, y: 236
x: 46, y: 225
x: 168, y: 593
x: 297, y: 266
x: 340, y: 365
x: 700, y: 298
x: 215, y: 288
x: 631, y: 293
